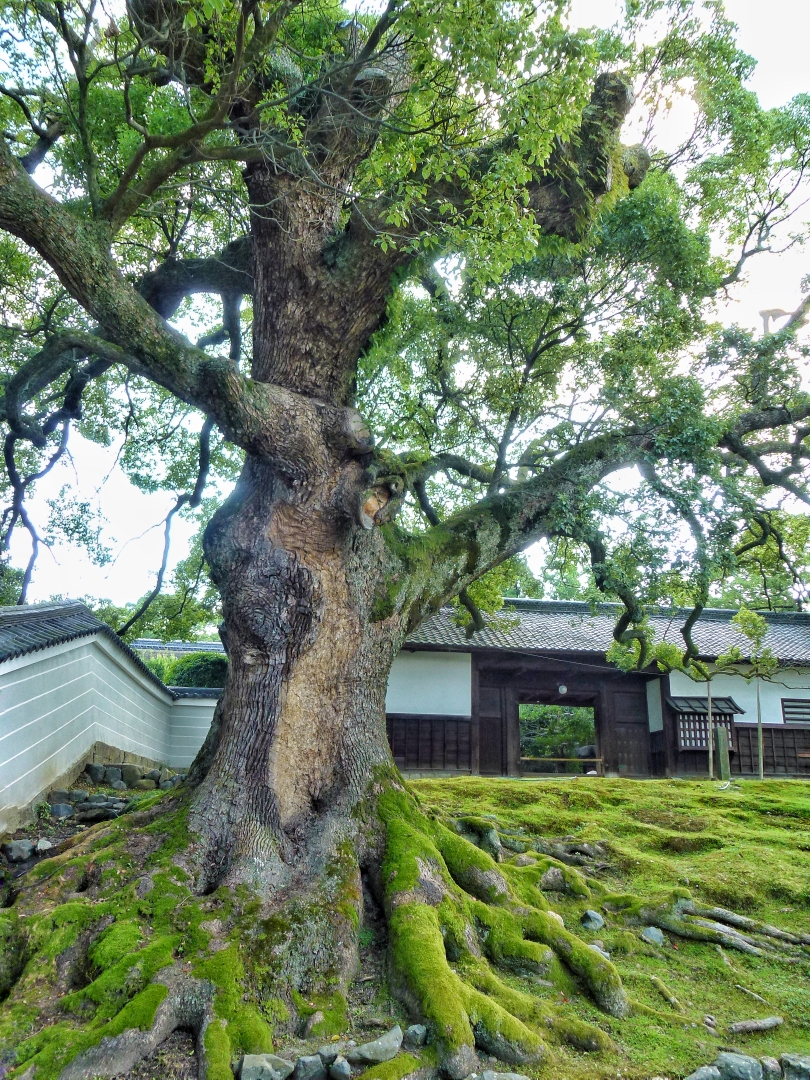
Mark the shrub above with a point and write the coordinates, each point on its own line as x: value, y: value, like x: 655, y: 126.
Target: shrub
x: 198, y: 669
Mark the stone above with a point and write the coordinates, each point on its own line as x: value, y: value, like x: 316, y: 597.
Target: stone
x: 166, y: 785
x: 111, y: 774
x: 96, y: 800
x: 95, y: 813
x: 175, y: 781
x: 524, y: 860
x: 58, y: 795
x: 77, y: 795
x: 592, y: 920
x: 119, y: 785
x: 414, y: 1037
x: 264, y: 1067
x: 599, y: 946
x: 771, y: 1068
x: 653, y: 936
x: 795, y: 1066
x: 737, y: 1067
x: 557, y: 917
x: 488, y: 1074
x: 165, y: 774
x: 153, y: 774
x: 61, y: 810
x: 130, y: 774
x: 553, y: 880
x: 95, y: 770
x: 18, y: 850
x: 147, y: 784
x: 340, y: 1069
x: 43, y: 845
x: 382, y: 1049
x: 309, y: 1067
x: 327, y: 1054
x: 705, y: 1072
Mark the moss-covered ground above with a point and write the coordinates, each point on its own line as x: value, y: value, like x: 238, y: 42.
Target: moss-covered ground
x: 746, y: 848
x: 90, y: 932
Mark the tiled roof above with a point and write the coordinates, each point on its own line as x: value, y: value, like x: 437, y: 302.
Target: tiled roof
x: 721, y: 706
x: 150, y: 644
x: 207, y: 692
x: 571, y: 626
x: 27, y: 628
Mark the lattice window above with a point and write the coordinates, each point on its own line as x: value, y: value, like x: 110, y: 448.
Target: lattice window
x: 693, y: 730
x: 796, y: 711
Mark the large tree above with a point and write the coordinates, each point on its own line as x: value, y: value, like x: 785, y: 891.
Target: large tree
x: 427, y: 220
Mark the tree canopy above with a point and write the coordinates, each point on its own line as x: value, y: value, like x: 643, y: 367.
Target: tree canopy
x: 541, y: 320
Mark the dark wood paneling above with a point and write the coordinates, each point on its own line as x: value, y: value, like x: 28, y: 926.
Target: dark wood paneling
x: 429, y: 742
x: 490, y: 750
x: 786, y: 750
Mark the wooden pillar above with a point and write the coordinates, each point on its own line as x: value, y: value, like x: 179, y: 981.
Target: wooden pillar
x: 511, y: 725
x: 605, y: 743
x: 670, y: 730
x: 475, y: 718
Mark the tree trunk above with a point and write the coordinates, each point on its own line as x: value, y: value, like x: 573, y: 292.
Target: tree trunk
x: 300, y: 728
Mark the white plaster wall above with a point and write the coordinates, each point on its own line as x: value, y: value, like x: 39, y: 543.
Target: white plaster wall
x: 785, y: 684
x: 55, y: 704
x: 191, y: 718
x: 430, y: 682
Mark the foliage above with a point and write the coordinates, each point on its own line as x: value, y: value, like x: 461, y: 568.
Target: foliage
x: 554, y: 730
x: 194, y: 669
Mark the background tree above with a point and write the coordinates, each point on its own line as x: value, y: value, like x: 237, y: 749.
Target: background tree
x: 441, y: 238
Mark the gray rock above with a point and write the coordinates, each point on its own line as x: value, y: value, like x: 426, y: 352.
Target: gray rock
x: 147, y: 784
x: 18, y: 850
x: 705, y: 1072
x: 58, y: 795
x: 488, y: 1074
x: 553, y: 880
x: 111, y: 774
x: 77, y: 795
x: 175, y: 781
x: 94, y: 814
x: 119, y: 785
x: 653, y: 936
x: 340, y: 1069
x: 327, y: 1054
x: 131, y: 773
x: 96, y: 800
x: 264, y: 1067
x: 61, y: 810
x: 95, y: 770
x: 795, y: 1066
x: 382, y: 1049
x: 592, y: 920
x: 309, y: 1067
x: 414, y: 1037
x: 166, y: 785
x: 737, y: 1067
x: 524, y: 860
x: 43, y: 845
x: 165, y: 774
x: 153, y: 774
x: 771, y: 1068
x: 598, y: 946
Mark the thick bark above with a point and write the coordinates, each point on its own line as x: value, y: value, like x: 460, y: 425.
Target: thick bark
x: 301, y: 725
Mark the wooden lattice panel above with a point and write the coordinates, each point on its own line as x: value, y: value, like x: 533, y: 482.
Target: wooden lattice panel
x: 693, y: 730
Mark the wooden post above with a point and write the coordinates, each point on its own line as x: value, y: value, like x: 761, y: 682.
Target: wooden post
x: 760, y: 751
x: 711, y: 731
x: 721, y: 755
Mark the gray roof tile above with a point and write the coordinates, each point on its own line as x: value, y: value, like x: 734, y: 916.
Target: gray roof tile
x: 27, y: 628
x: 569, y: 625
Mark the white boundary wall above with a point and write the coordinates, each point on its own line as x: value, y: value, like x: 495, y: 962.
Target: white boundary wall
x: 790, y: 683
x: 57, y: 703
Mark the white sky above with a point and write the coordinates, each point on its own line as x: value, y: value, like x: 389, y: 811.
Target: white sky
x: 776, y: 34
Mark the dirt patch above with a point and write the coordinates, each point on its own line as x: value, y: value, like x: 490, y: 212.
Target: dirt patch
x: 174, y: 1059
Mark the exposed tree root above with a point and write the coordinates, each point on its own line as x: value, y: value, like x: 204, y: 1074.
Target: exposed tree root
x: 110, y: 947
